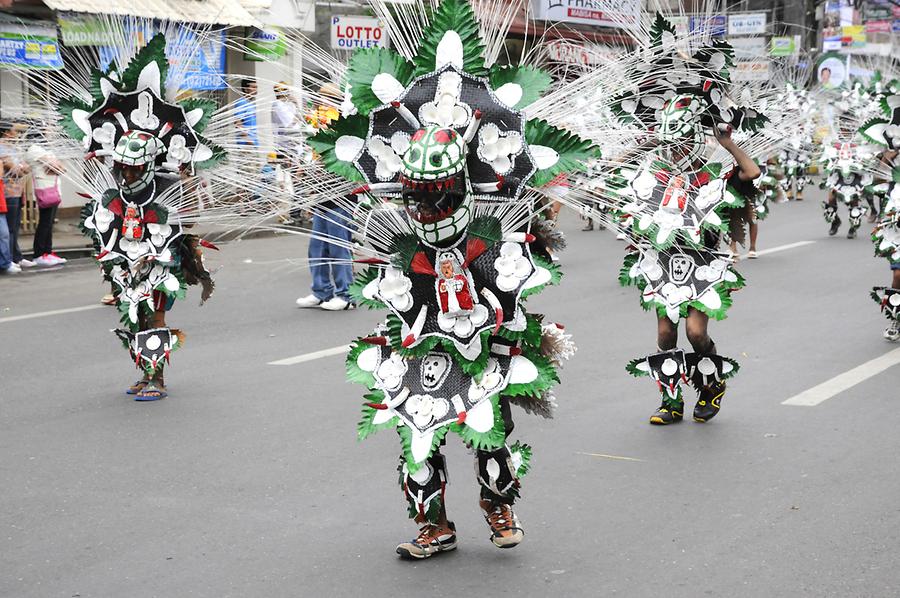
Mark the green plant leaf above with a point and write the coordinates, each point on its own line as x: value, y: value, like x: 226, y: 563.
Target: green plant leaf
x: 451, y: 15
x: 65, y: 109
x: 534, y: 82
x: 323, y: 144
x: 208, y: 107
x: 573, y: 151
x: 154, y: 51
x: 356, y: 374
x: 365, y: 64
x: 490, y: 440
x: 360, y: 281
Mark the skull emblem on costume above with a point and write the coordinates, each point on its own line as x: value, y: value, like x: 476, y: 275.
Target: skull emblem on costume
x: 680, y: 267
x: 435, y: 367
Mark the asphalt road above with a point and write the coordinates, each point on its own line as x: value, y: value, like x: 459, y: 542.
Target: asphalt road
x: 249, y: 482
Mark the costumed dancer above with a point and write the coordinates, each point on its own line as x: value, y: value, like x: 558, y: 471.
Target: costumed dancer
x: 142, y: 152
x: 885, y: 133
x: 442, y: 132
x: 677, y: 199
x: 848, y: 163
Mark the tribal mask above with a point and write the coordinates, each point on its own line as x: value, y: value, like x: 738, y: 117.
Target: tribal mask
x: 435, y: 188
x: 680, y: 129
x: 135, y: 150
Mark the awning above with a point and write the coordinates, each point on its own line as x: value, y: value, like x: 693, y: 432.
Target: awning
x: 207, y: 12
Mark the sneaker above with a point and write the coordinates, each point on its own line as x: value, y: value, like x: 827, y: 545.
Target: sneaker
x: 11, y: 269
x: 23, y: 263
x: 45, y: 261
x: 851, y: 234
x: 431, y: 540
x: 835, y: 225
x: 337, y: 304
x: 309, y: 301
x: 708, y: 402
x: 752, y: 255
x: 506, y: 531
x: 59, y: 260
x: 892, y: 332
x: 588, y: 226
x: 666, y: 414
x: 108, y: 299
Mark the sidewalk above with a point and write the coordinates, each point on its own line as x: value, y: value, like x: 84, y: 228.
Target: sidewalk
x: 67, y: 240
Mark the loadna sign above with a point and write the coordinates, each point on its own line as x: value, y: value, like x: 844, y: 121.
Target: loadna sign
x: 350, y: 32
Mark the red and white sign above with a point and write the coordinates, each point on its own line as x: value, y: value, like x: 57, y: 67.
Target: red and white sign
x: 351, y: 32
x: 602, y: 13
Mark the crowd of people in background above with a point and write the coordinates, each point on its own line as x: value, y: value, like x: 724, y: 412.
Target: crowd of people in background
x: 38, y: 168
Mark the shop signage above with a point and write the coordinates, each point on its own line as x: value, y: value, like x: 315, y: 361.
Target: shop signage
x: 602, y: 13
x: 265, y: 44
x: 751, y: 70
x: 747, y: 24
x: 29, y: 46
x: 203, y: 55
x: 783, y: 46
x: 351, y: 32
x: 714, y: 26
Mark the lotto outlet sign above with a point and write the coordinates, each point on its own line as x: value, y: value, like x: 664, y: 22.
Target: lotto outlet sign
x: 350, y: 32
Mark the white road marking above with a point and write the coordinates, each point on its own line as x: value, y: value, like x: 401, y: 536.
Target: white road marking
x: 840, y: 383
x: 53, y: 312
x: 614, y: 457
x: 312, y: 356
x: 780, y: 248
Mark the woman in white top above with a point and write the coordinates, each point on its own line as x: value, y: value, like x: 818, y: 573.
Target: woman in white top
x: 45, y: 169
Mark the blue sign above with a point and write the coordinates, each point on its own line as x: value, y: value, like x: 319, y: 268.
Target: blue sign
x: 26, y: 50
x: 715, y: 26
x: 195, y: 62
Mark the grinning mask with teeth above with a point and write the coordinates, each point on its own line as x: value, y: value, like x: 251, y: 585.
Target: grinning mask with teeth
x: 435, y: 188
x: 681, y: 131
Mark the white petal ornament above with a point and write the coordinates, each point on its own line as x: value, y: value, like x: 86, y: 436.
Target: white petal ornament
x: 449, y: 51
x: 509, y: 93
x: 386, y: 88
x: 150, y: 78
x: 347, y: 147
x: 544, y: 157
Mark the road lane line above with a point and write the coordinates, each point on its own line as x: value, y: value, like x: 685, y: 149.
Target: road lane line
x: 53, y: 312
x: 312, y: 356
x: 842, y: 382
x: 780, y: 248
x: 614, y: 457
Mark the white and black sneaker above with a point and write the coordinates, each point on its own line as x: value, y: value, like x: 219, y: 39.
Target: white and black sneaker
x: 337, y: 304
x: 892, y: 332
x: 309, y: 301
x: 431, y: 540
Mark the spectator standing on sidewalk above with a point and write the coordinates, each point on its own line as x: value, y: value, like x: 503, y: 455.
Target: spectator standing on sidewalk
x: 45, y: 168
x: 245, y: 111
x: 15, y: 173
x: 330, y: 262
x: 6, y: 264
